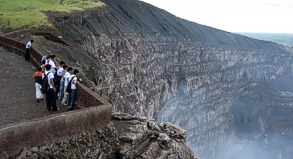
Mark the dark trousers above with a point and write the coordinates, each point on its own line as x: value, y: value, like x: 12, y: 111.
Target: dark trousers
x: 27, y: 55
x: 51, y: 100
x: 71, y: 99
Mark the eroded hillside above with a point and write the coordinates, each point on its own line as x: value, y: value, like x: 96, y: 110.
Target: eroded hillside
x: 228, y: 91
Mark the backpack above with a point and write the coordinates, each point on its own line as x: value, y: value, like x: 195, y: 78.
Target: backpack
x: 57, y: 78
x: 45, y: 85
x: 68, y: 89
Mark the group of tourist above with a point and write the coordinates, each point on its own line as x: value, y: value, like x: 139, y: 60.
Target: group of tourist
x: 58, y: 78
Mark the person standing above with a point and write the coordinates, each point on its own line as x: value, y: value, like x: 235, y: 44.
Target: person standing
x: 54, y: 59
x: 66, y: 80
x: 58, y: 77
x: 44, y: 58
x: 50, y: 94
x: 49, y: 61
x: 61, y: 89
x: 72, y: 94
x: 38, y: 81
x: 27, y: 50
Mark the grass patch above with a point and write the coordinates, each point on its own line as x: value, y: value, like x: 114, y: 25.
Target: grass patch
x: 16, y: 14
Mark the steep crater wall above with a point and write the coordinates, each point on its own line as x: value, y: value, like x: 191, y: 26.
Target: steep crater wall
x: 224, y: 89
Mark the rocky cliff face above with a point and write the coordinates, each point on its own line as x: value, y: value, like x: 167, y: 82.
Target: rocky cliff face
x: 126, y: 137
x: 228, y: 91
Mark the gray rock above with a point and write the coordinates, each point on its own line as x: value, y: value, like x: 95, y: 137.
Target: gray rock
x: 164, y: 140
x: 132, y: 138
x: 24, y: 153
x: 127, y: 139
x: 34, y: 150
x: 175, y: 131
x: 155, y: 126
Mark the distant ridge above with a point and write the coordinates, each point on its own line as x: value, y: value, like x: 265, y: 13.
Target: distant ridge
x: 140, y: 17
x: 285, y: 39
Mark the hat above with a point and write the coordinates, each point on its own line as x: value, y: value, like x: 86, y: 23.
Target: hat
x: 48, y: 52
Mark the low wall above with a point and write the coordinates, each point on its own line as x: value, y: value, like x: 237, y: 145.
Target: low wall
x: 51, y: 37
x: 14, y: 137
x: 19, y: 48
x: 87, y: 98
x: 18, y: 34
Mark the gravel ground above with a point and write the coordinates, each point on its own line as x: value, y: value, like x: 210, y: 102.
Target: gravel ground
x: 17, y: 91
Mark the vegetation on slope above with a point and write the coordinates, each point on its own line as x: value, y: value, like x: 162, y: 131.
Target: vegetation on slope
x: 15, y: 14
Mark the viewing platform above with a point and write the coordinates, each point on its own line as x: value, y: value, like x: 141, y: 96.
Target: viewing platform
x: 18, y: 93
x: 25, y: 123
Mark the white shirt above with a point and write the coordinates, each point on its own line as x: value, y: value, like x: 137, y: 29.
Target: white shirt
x: 28, y: 45
x: 49, y: 76
x: 50, y: 62
x: 66, y: 78
x: 63, y: 75
x: 59, y: 71
x: 73, y: 82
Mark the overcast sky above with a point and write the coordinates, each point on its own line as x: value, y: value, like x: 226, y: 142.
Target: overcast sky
x: 265, y: 16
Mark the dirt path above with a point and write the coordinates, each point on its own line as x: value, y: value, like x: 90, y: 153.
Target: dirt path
x: 17, y: 91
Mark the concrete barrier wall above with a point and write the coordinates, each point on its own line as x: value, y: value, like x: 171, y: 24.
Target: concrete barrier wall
x: 87, y: 98
x: 14, y: 137
x: 51, y: 37
x: 18, y: 34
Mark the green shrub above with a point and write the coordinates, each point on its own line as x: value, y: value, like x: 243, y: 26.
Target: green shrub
x: 15, y: 14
